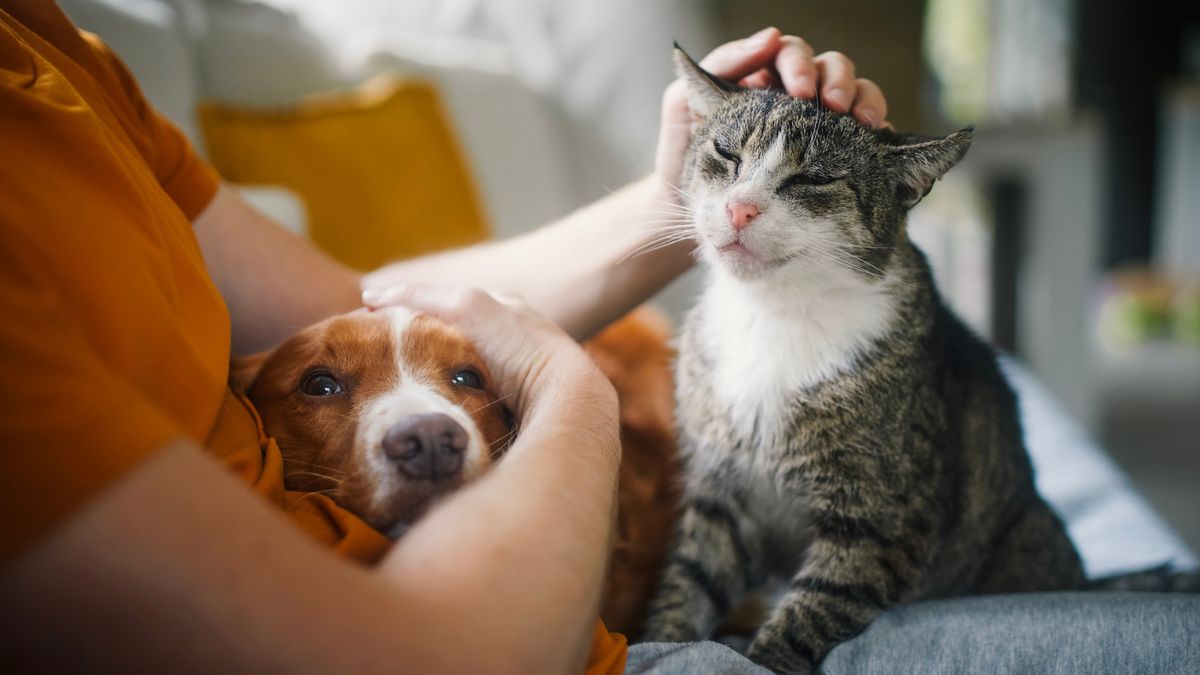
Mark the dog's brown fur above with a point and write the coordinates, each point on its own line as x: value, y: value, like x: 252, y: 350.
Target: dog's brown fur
x: 635, y: 356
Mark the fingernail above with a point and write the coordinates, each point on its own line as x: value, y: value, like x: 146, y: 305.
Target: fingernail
x: 839, y: 97
x: 371, y: 295
x: 756, y: 41
x: 869, y: 117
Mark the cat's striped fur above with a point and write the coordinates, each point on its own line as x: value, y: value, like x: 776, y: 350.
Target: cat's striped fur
x: 841, y: 427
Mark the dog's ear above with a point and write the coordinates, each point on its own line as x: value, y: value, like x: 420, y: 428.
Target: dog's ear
x: 243, y: 371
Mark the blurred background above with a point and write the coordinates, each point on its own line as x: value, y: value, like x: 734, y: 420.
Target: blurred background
x: 1070, y: 235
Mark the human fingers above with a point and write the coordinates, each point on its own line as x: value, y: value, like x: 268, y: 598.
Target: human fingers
x: 870, y: 106
x: 796, y: 68
x: 446, y: 302
x: 737, y: 59
x: 835, y: 74
x: 759, y: 79
x: 526, y: 352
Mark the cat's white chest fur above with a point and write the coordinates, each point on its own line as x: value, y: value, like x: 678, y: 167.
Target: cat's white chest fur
x: 771, y: 339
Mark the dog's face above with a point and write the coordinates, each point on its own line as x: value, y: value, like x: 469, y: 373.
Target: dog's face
x: 383, y: 411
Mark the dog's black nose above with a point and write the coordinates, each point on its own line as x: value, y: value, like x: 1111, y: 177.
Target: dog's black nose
x: 426, y: 447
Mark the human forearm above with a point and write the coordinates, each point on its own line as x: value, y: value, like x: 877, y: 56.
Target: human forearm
x: 583, y: 271
x: 273, y: 281
x: 179, y: 567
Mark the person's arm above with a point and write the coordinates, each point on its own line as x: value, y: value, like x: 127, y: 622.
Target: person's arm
x: 274, y: 282
x: 178, y: 567
x: 583, y: 271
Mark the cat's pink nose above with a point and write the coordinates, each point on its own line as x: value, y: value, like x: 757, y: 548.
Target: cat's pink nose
x: 741, y: 214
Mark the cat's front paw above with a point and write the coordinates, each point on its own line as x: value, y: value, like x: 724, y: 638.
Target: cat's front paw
x: 778, y: 658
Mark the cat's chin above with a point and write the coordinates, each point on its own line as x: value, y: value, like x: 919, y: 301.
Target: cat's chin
x: 743, y: 263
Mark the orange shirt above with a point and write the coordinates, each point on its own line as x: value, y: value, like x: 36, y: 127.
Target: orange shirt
x: 111, y: 322
x: 113, y: 338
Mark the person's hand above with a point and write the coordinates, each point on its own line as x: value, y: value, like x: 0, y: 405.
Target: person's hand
x: 533, y: 362
x: 768, y: 59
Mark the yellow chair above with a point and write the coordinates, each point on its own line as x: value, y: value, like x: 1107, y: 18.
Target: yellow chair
x: 379, y: 169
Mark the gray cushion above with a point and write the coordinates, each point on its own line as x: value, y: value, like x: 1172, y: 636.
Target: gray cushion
x: 1111, y: 524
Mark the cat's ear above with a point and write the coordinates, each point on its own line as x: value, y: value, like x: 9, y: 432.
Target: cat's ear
x: 915, y: 162
x: 704, y: 90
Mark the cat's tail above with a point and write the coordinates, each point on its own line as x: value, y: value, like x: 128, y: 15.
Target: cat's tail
x: 1161, y: 579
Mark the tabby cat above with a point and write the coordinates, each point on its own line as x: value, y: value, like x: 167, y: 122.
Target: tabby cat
x: 842, y: 428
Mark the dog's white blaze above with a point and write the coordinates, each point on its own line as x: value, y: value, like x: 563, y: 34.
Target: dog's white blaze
x: 412, y: 396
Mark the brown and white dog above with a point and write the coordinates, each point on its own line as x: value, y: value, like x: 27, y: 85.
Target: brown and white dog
x: 388, y: 411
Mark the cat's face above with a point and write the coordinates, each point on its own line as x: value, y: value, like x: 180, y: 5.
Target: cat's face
x: 777, y: 183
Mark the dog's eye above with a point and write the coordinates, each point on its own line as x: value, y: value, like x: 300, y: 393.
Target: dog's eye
x: 468, y: 378
x: 320, y: 383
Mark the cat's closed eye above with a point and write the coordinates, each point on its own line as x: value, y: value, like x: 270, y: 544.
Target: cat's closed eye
x: 807, y: 179
x: 728, y: 155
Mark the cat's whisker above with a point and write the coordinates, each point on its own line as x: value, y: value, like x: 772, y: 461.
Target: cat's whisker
x: 665, y: 219
x: 831, y: 258
x: 863, y: 261
x: 652, y: 235
x: 865, y: 268
x: 681, y: 225
x: 678, y: 190
x: 673, y: 206
x: 865, y: 246
x: 655, y: 245
x: 669, y: 214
